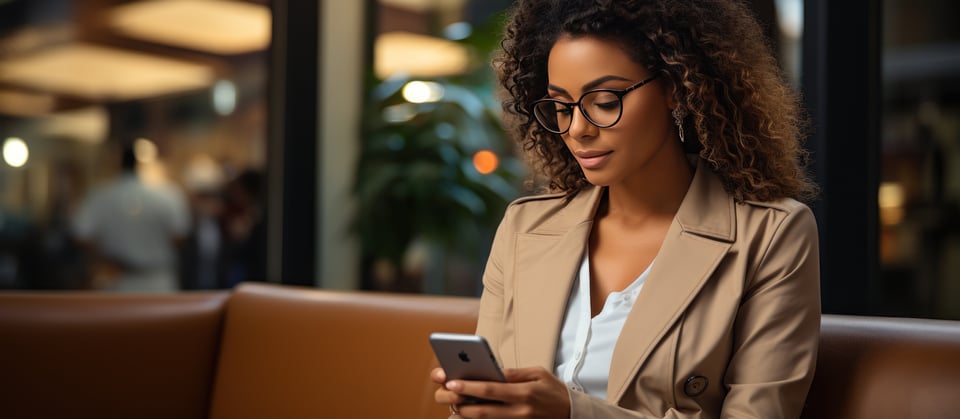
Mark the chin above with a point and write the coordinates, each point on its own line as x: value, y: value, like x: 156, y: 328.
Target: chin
x: 597, y: 180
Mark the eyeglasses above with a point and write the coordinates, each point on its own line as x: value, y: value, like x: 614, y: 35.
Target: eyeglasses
x: 602, y: 108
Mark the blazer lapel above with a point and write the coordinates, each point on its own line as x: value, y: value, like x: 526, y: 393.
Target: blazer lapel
x: 699, y: 237
x: 547, y: 261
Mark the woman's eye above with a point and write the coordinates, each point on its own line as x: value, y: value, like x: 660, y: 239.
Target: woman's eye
x: 607, y: 105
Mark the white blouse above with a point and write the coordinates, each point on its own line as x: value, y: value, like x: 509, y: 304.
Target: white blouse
x: 586, y: 344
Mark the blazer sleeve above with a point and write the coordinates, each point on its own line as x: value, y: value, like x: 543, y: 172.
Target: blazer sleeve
x: 492, y: 306
x: 777, y: 329
x: 775, y: 337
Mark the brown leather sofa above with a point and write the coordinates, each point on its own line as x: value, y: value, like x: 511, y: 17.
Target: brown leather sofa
x: 267, y: 351
x: 261, y: 351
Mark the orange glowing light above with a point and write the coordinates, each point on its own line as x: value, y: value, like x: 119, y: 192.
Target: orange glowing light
x: 485, y: 161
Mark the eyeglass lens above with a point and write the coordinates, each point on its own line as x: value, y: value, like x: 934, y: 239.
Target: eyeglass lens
x: 601, y: 108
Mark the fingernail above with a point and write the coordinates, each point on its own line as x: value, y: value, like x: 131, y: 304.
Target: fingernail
x: 453, y: 385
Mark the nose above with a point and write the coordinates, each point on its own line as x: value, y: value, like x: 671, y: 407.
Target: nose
x: 580, y: 127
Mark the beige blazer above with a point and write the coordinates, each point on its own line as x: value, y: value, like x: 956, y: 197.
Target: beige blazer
x: 726, y: 325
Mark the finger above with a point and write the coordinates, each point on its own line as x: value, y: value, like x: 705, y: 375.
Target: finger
x: 444, y: 396
x: 493, y: 411
x: 489, y: 390
x: 519, y: 375
x: 438, y: 375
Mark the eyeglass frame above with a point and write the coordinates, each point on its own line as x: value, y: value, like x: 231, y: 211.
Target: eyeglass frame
x: 619, y: 93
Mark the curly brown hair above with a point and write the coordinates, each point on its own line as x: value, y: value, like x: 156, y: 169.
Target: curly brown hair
x: 747, y: 119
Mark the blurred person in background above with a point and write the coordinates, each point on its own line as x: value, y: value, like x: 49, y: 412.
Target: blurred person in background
x: 202, y: 253
x: 245, y: 236
x: 131, y: 231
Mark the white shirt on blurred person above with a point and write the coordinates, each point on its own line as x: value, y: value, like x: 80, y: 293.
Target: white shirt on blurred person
x: 135, y: 226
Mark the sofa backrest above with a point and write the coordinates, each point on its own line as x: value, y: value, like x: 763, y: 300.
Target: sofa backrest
x: 287, y: 352
x: 884, y: 368
x: 298, y: 353
x: 85, y: 355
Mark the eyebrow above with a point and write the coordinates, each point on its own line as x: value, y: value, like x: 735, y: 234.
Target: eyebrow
x: 588, y: 86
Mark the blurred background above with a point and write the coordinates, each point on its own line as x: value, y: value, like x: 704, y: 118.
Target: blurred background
x: 359, y: 145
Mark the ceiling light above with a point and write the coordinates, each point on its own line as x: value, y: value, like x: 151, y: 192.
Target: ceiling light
x: 101, y: 73
x: 418, y: 56
x: 425, y: 5
x: 216, y: 26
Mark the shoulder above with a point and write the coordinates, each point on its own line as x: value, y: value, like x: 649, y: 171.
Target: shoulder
x: 529, y: 212
x: 531, y: 202
x: 551, y: 212
x: 784, y: 217
x: 782, y: 207
x: 786, y: 205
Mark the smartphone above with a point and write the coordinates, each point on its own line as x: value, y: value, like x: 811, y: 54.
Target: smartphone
x: 466, y: 357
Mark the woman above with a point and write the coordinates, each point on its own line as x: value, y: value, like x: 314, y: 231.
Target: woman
x: 654, y: 283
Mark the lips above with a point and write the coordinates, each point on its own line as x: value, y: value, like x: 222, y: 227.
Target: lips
x: 592, y: 159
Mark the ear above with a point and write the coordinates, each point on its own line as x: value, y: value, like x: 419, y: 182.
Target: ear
x: 669, y: 90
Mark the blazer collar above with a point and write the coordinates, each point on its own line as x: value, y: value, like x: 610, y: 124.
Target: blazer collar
x: 707, y: 209
x: 548, y: 258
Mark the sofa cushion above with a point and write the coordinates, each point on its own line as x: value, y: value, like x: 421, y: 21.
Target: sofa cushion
x: 884, y: 368
x: 85, y: 355
x: 297, y: 353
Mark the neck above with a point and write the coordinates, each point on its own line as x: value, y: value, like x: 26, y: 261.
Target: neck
x: 654, y: 194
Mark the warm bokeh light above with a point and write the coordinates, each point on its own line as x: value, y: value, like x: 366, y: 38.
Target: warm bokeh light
x: 485, y: 161
x: 90, y: 124
x: 217, y: 26
x: 422, y: 92
x: 101, y: 73
x: 15, y: 152
x: 145, y: 150
x: 891, y: 199
x: 202, y: 173
x: 418, y: 55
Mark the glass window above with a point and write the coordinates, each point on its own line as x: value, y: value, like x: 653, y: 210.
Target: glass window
x: 181, y: 83
x: 919, y: 192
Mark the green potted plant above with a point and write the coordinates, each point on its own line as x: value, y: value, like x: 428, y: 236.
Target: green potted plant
x: 434, y: 175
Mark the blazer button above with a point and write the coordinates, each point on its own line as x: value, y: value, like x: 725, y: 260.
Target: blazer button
x: 695, y: 385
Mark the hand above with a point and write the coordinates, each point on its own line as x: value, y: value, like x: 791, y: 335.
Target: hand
x: 528, y: 393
